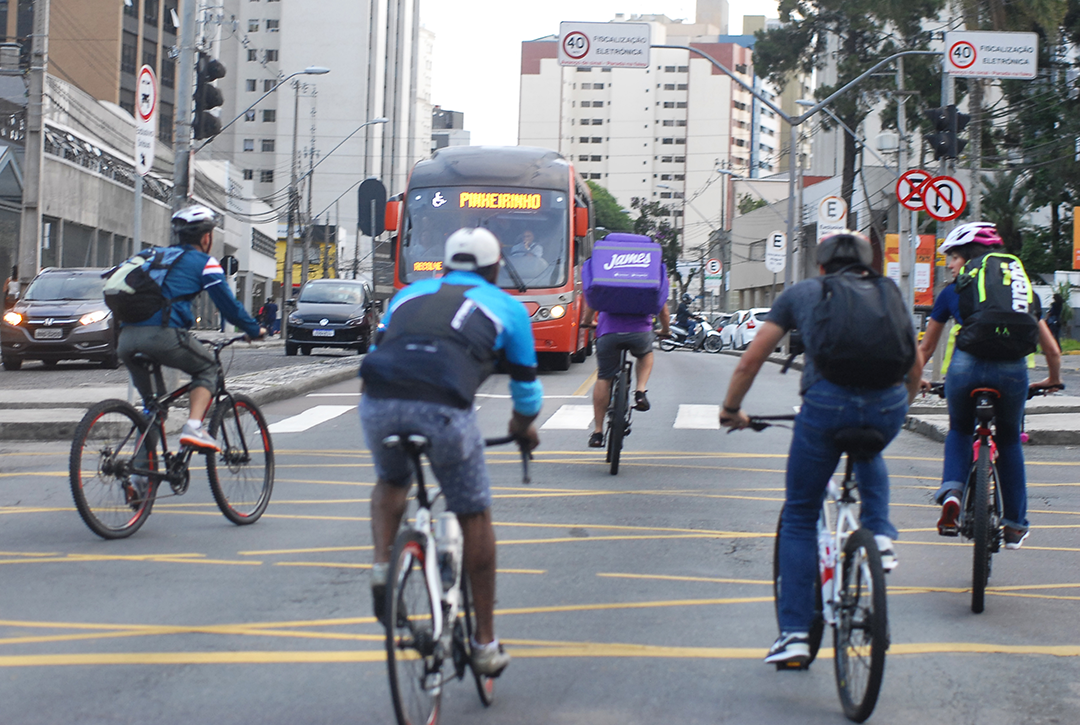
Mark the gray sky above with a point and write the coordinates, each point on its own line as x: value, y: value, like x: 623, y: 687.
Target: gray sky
x: 478, y: 49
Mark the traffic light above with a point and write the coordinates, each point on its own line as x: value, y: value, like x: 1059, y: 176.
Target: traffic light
x: 948, y: 122
x: 207, y: 96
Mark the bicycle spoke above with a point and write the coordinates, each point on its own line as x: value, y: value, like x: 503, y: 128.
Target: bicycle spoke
x: 861, y: 632
x: 242, y: 474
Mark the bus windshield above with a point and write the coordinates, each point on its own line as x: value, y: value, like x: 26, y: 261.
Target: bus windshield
x: 531, y: 224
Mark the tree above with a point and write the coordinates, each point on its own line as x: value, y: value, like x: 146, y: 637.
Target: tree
x: 652, y: 221
x: 608, y: 212
x: 863, y: 31
x: 1004, y: 202
x: 748, y: 204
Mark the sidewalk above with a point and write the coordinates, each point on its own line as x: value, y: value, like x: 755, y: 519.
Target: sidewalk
x: 1052, y: 420
x: 53, y: 413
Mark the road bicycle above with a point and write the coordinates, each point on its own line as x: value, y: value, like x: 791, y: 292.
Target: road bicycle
x: 429, y: 605
x: 120, y: 456
x: 849, y: 592
x: 619, y: 411
x: 980, y: 519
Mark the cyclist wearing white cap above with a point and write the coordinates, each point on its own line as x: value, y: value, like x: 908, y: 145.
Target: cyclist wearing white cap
x: 164, y: 335
x: 438, y: 341
x: 964, y: 249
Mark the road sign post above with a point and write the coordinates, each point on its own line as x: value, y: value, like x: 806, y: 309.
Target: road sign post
x: 146, y: 102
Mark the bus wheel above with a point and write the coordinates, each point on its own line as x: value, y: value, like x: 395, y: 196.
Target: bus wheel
x: 557, y: 360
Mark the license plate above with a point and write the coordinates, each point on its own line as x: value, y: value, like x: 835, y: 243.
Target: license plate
x: 322, y: 333
x: 48, y: 334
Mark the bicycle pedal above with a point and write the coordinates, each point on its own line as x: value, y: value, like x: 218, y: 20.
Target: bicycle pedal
x: 792, y: 666
x: 948, y: 530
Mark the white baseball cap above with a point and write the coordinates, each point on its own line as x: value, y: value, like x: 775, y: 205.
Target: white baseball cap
x: 470, y: 249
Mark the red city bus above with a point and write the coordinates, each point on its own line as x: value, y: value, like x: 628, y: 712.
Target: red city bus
x: 538, y: 208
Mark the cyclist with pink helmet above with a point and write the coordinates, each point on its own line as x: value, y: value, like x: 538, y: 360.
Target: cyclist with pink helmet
x: 965, y: 248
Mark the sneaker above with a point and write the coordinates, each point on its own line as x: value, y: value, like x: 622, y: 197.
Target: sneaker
x: 198, y: 438
x: 596, y: 440
x: 1014, y: 538
x: 888, y: 553
x: 791, y: 649
x: 379, y: 574
x: 640, y: 401
x: 489, y: 659
x: 950, y: 512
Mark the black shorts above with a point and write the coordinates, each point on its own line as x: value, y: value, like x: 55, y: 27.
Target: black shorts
x: 607, y: 350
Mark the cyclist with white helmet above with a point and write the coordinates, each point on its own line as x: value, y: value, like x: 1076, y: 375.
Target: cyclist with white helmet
x: 164, y: 336
x: 965, y: 248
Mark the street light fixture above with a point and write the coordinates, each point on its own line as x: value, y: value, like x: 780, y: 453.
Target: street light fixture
x: 806, y: 103
x: 311, y: 70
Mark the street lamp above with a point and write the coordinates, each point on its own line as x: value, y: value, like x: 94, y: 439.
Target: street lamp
x: 294, y: 207
x: 311, y: 70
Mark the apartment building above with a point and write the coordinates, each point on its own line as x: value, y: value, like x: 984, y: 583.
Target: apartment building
x: 662, y: 133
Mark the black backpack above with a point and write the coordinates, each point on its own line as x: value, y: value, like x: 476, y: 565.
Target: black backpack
x: 998, y: 308
x: 860, y: 335
x: 133, y: 290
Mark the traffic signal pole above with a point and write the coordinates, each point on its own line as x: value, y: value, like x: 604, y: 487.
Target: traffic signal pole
x: 185, y: 86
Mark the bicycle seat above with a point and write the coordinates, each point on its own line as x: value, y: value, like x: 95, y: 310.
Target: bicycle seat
x: 988, y: 391
x: 143, y: 360
x: 860, y: 443
x: 417, y: 442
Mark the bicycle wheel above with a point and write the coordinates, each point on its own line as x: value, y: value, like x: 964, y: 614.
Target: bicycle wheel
x: 620, y: 402
x: 861, y: 633
x: 981, y: 525
x: 102, y: 456
x: 485, y: 686
x: 242, y: 474
x: 817, y: 627
x: 415, y: 670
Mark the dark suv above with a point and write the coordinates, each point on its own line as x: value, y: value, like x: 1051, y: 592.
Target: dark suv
x: 332, y: 313
x: 62, y: 316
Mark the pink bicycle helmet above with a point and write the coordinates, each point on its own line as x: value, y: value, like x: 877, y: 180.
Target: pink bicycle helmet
x: 971, y: 233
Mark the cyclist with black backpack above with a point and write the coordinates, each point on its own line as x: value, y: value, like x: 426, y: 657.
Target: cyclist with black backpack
x: 999, y: 314
x: 861, y: 371
x: 151, y: 295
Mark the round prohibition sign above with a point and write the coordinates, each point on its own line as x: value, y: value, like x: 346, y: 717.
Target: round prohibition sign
x: 713, y: 266
x: 944, y: 198
x: 146, y: 102
x: 576, y: 45
x: 962, y: 54
x: 909, y: 189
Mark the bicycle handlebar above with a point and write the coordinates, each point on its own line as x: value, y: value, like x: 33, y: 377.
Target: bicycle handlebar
x: 938, y: 389
x: 761, y: 422
x: 526, y: 454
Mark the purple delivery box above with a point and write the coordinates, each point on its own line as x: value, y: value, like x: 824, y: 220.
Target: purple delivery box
x: 624, y: 275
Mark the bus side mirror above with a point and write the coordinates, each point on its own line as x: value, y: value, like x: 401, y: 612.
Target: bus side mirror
x: 393, y: 212
x: 581, y: 221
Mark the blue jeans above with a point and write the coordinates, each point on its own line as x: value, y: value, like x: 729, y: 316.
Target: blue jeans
x: 826, y: 408
x: 1010, y: 378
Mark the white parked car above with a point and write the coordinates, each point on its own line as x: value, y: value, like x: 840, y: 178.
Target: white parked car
x: 727, y: 332
x: 749, y: 326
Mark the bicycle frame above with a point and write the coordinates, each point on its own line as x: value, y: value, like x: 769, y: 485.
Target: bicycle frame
x: 839, y: 525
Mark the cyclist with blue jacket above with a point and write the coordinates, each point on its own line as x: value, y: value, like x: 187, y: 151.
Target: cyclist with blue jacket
x: 439, y: 340
x: 164, y: 336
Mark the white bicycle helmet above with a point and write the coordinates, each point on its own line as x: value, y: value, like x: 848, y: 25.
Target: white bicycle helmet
x: 971, y: 233
x: 193, y: 221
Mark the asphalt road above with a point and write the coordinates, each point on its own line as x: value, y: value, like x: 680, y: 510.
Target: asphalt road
x: 642, y: 598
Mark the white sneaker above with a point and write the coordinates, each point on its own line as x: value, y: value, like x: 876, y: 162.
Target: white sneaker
x: 489, y: 659
x: 198, y: 438
x: 791, y: 649
x: 888, y: 553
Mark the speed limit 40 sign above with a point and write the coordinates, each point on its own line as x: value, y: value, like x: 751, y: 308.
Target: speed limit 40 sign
x: 606, y: 45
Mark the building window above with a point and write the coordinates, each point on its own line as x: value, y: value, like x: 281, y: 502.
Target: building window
x: 669, y: 122
x: 249, y: 144
x: 680, y: 104
x: 680, y: 140
x: 272, y: 25
x: 149, y: 55
x: 252, y: 54
x: 597, y: 104
x: 669, y: 104
x: 586, y: 86
x: 669, y: 69
x: 669, y: 86
x: 271, y: 56
x: 598, y: 122
x: 266, y: 176
x: 168, y: 72
x: 582, y: 158
x: 594, y: 176
x: 131, y: 9
x: 165, y: 123
x: 597, y: 139
x: 584, y: 122
x: 665, y: 194
x: 684, y: 69
x: 581, y: 69
x: 680, y: 122
x: 741, y: 68
x: 249, y: 115
x: 665, y: 159
x: 150, y: 12
x: 251, y: 84
x: 584, y: 139
x: 248, y: 174
x: 127, y: 100
x: 268, y: 144
x: 269, y: 115
x: 268, y: 85
x: 680, y: 177
x: 595, y: 158
x: 665, y: 177
x: 668, y: 141
x: 127, y: 53
x: 681, y: 87
x: 676, y: 212
x: 680, y: 159
x: 253, y: 26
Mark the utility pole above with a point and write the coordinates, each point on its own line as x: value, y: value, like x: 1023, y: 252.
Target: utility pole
x: 294, y: 208
x: 975, y: 104
x: 304, y: 266
x: 185, y: 85
x: 30, y: 228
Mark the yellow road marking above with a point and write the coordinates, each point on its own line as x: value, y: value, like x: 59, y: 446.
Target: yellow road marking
x: 671, y: 578
x: 587, y: 384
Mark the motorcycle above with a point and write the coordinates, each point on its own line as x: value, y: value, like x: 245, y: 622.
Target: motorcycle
x: 705, y: 337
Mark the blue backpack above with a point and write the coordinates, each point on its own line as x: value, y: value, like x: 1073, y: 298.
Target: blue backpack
x: 625, y: 275
x: 133, y: 290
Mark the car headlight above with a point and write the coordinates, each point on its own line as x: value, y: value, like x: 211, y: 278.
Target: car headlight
x: 557, y: 311
x: 12, y: 318
x: 355, y: 322
x: 91, y: 317
x: 295, y: 319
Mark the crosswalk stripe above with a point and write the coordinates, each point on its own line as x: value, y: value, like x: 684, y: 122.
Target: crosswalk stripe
x: 698, y: 417
x: 310, y: 418
x: 570, y: 417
